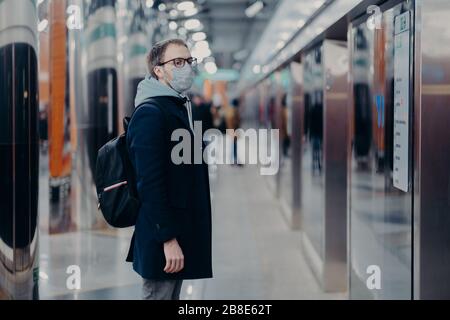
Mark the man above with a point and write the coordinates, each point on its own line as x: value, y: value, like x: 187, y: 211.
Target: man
x: 172, y: 238
x: 233, y: 121
x: 201, y: 111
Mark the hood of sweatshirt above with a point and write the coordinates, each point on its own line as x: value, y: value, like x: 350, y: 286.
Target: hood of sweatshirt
x: 150, y: 88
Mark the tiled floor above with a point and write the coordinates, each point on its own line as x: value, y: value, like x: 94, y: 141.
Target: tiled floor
x: 255, y: 255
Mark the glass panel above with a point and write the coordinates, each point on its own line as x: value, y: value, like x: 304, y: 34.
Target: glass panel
x: 380, y: 215
x: 285, y: 139
x: 312, y: 163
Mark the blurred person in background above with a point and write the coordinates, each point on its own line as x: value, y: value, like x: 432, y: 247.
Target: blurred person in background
x: 286, y: 139
x: 201, y: 111
x: 218, y: 113
x: 233, y: 121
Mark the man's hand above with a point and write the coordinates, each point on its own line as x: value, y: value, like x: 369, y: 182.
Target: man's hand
x: 174, y: 256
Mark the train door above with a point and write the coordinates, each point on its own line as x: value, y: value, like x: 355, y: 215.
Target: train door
x: 380, y: 179
x: 323, y: 162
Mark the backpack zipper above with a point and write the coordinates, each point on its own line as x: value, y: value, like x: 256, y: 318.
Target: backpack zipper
x: 114, y: 186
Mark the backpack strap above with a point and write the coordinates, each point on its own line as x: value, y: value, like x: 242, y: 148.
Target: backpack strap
x: 126, y: 120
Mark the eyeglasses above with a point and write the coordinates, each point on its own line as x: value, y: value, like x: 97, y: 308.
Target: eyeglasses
x: 180, y: 62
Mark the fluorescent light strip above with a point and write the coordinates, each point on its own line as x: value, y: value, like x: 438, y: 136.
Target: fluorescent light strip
x: 253, y: 9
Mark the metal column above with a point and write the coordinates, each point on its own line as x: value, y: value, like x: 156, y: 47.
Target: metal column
x: 297, y: 129
x: 432, y: 151
x: 324, y: 163
x: 19, y: 151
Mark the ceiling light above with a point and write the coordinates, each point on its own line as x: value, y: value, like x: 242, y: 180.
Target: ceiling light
x: 173, y: 25
x: 280, y: 44
x: 191, y: 12
x: 210, y: 67
x: 206, y: 53
x: 256, y: 68
x: 201, y: 53
x: 173, y: 13
x: 192, y: 24
x: 199, y: 36
x: 162, y: 7
x: 253, y: 9
x: 185, y: 5
x: 284, y: 35
x: 300, y: 23
x: 202, y: 44
x: 182, y: 31
x: 149, y: 3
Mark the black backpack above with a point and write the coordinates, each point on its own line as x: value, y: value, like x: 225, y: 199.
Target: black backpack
x: 115, y: 181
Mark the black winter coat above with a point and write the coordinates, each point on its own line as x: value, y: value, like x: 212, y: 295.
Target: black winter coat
x: 175, y: 198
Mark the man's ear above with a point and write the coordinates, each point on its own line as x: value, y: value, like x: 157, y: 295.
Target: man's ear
x: 158, y: 71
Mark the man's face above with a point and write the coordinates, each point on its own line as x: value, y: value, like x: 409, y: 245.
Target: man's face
x: 173, y: 51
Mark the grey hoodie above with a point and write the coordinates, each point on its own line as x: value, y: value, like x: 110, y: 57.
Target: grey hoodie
x: 150, y: 88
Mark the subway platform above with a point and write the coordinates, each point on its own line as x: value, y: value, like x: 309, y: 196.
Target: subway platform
x: 255, y: 254
x: 357, y: 92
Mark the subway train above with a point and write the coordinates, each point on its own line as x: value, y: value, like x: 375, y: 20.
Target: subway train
x: 361, y: 98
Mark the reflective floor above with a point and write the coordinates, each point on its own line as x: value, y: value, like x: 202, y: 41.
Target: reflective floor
x: 255, y: 255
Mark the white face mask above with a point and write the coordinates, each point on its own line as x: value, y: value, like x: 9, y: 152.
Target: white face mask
x: 183, y: 78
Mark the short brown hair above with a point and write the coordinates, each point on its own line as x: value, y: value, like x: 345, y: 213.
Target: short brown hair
x: 157, y: 52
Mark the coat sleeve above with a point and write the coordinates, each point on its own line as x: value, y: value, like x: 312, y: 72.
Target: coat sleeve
x: 148, y: 147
